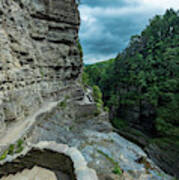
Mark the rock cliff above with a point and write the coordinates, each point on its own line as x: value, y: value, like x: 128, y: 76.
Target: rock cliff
x: 39, y: 54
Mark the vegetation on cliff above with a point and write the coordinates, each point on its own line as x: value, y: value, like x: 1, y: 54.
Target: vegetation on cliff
x: 144, y: 79
x: 141, y: 89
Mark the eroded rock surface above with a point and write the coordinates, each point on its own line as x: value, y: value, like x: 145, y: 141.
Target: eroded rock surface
x: 103, y: 149
x: 39, y: 55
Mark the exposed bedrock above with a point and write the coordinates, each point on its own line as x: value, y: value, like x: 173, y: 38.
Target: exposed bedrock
x: 39, y: 55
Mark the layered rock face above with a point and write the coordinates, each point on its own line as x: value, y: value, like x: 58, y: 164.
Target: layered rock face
x: 40, y: 67
x: 39, y: 55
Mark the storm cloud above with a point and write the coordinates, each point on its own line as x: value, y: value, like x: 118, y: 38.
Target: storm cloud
x: 107, y: 25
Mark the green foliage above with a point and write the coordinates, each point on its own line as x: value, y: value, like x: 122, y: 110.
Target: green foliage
x: 97, y: 94
x: 4, y: 155
x: 119, y: 123
x: 85, y: 78
x: 146, y: 73
x: 97, y: 112
x: 42, y: 74
x: 174, y: 178
x: 99, y: 74
x: 116, y: 170
x: 20, y: 142
x: 106, y: 109
x: 11, y: 149
x: 80, y: 49
x: 67, y: 97
x: 19, y: 149
x: 19, y: 146
x: 63, y: 104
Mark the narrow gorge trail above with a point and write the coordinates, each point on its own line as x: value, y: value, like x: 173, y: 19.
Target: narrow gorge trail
x: 19, y: 129
x: 48, y: 118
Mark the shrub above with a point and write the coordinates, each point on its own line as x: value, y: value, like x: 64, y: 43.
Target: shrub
x: 85, y: 78
x: 119, y: 123
x: 63, y: 104
x: 117, y: 170
x: 19, y: 149
x: 19, y: 146
x: 80, y: 49
x: 97, y: 94
x: 4, y: 155
x: 11, y: 149
x: 106, y: 109
x: 20, y: 142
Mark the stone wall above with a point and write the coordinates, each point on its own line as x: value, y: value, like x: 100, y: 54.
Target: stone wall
x: 58, y: 158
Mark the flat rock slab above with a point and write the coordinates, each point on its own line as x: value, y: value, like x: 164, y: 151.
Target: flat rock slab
x: 36, y: 173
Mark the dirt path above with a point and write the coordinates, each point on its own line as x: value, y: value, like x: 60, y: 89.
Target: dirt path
x: 20, y: 128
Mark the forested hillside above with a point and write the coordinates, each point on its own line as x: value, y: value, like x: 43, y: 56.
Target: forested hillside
x: 141, y: 86
x: 99, y: 74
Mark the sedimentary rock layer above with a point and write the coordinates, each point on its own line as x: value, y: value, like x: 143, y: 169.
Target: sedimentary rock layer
x: 39, y: 55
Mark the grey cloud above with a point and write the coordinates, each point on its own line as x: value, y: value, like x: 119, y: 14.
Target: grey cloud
x: 110, y: 34
x: 106, y: 3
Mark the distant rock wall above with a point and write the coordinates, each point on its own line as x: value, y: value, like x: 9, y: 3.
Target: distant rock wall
x: 39, y: 55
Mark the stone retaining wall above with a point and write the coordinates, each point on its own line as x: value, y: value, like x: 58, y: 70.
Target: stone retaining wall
x: 52, y: 156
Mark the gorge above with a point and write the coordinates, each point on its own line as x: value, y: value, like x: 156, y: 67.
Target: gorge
x: 140, y: 89
x: 49, y: 120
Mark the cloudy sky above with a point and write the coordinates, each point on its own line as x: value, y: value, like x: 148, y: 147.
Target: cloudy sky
x: 107, y: 25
